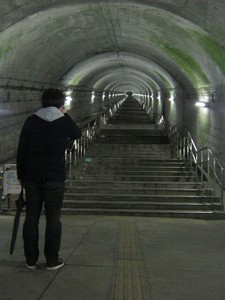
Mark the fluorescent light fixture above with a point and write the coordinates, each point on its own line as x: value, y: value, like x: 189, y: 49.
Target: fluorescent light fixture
x: 201, y: 104
x: 159, y: 95
x: 92, y: 96
x: 171, y: 98
x: 68, y: 100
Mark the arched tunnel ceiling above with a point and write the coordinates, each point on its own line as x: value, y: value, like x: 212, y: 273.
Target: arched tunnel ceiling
x: 101, y: 44
x: 121, y: 65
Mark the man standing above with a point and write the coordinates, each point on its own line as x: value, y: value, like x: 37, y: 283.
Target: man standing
x: 41, y: 170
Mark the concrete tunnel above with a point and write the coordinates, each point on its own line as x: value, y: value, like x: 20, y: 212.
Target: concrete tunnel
x: 168, y: 53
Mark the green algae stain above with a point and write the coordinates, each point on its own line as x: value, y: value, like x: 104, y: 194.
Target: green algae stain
x: 187, y: 63
x: 76, y: 80
x: 214, y: 50
x: 4, y: 50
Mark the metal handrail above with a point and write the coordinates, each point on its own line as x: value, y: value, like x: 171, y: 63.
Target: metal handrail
x: 211, y: 168
x: 78, y: 148
x: 191, y: 150
x: 206, y: 164
x: 175, y: 139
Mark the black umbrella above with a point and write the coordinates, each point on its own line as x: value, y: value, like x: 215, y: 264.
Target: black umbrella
x: 20, y: 203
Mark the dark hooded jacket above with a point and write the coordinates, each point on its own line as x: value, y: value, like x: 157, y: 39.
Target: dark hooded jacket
x: 42, y: 145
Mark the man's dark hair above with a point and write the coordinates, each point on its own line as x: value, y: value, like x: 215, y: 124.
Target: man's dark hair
x: 52, y: 97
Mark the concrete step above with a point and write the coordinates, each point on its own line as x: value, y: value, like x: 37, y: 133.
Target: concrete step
x: 98, y: 167
x: 149, y: 178
x: 123, y: 148
x: 131, y: 140
x: 135, y: 161
x: 140, y: 198
x: 125, y: 113
x: 138, y: 191
x: 134, y: 184
x: 129, y: 171
x: 131, y: 147
x: 141, y: 205
x: 108, y: 155
x: 118, y: 172
x: 132, y: 132
x: 129, y: 119
x: 148, y: 126
x: 166, y: 153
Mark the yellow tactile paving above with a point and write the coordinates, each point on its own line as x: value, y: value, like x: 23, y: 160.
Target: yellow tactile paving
x: 130, y: 280
x: 151, y: 220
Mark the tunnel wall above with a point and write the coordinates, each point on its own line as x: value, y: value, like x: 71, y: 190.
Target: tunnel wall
x: 17, y: 105
x: 206, y: 125
x: 83, y: 106
x: 174, y: 109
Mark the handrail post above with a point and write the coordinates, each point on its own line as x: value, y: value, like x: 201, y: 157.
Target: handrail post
x: 221, y: 190
x: 214, y: 173
x: 82, y: 148
x: 184, y: 147
x: 202, y: 165
x: 203, y: 160
x: 79, y: 147
x: 208, y: 163
x: 190, y: 150
x: 75, y: 152
x: 196, y: 167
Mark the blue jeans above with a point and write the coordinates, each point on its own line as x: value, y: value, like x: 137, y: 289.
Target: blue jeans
x: 51, y: 194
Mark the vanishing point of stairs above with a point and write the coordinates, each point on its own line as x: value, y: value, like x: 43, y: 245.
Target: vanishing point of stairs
x: 129, y: 171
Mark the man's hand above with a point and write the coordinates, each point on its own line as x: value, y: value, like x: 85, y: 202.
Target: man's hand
x: 62, y: 109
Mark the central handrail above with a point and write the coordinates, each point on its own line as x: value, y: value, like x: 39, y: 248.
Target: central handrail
x: 77, y: 149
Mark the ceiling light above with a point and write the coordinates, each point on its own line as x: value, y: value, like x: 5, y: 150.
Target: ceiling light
x: 201, y: 104
x: 68, y: 100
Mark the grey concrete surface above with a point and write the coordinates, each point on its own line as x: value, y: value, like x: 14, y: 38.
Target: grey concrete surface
x: 121, y: 258
x: 162, y: 50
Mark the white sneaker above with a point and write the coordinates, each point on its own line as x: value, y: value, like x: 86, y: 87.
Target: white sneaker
x: 56, y: 265
x: 30, y: 267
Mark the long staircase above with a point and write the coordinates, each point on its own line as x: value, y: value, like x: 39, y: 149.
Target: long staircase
x: 129, y: 170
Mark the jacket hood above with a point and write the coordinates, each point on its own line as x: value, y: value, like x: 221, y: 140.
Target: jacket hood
x: 49, y: 114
